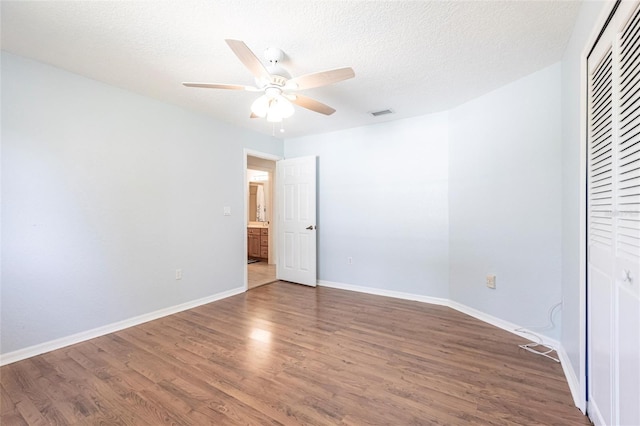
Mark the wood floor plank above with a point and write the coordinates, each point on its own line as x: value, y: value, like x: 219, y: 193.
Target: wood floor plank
x: 9, y: 414
x: 260, y: 273
x: 288, y: 354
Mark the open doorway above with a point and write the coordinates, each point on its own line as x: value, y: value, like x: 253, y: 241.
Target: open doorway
x: 260, y: 208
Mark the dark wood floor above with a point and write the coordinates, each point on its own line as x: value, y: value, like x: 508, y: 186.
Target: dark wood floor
x: 288, y: 354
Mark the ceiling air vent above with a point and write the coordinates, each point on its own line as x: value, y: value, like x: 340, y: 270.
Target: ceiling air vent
x: 382, y: 112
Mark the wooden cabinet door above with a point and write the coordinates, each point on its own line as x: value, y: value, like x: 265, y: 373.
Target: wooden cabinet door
x: 254, y: 245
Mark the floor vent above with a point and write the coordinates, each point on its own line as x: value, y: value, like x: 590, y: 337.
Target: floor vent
x: 382, y: 112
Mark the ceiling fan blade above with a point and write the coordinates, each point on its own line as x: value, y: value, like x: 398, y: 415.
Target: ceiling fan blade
x: 312, y: 104
x: 248, y: 58
x: 222, y: 86
x: 318, y: 79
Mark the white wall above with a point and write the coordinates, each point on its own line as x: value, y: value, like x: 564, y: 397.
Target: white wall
x: 571, y: 178
x: 382, y: 200
x: 505, y: 200
x: 497, y: 189
x: 105, y: 193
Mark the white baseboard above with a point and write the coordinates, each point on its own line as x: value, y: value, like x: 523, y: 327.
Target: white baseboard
x: 572, y: 379
x: 41, y: 348
x: 574, y: 384
x: 500, y: 323
x: 595, y: 415
x: 383, y: 292
x: 505, y: 325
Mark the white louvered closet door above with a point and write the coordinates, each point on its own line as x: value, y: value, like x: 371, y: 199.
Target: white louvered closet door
x: 613, y: 350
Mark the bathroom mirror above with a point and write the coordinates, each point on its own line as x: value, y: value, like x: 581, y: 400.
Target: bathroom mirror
x: 259, y: 196
x: 257, y: 203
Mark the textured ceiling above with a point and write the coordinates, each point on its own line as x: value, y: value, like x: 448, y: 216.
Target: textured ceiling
x: 414, y: 57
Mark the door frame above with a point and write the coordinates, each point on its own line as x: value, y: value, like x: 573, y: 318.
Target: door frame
x: 265, y: 156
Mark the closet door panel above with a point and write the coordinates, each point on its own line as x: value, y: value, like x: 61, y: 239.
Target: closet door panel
x: 627, y: 223
x: 601, y: 336
x: 613, y: 222
x: 628, y: 339
x: 600, y: 222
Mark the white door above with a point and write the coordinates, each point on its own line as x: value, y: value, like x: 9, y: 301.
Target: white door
x: 613, y: 283
x: 296, y: 180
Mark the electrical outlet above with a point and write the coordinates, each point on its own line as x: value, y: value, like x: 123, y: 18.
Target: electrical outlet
x: 178, y: 274
x: 349, y: 260
x: 491, y: 281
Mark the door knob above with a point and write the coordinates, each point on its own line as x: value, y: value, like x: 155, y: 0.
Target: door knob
x: 310, y: 227
x: 626, y: 276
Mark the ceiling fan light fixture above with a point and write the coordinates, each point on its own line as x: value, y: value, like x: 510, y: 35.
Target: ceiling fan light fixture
x: 283, y: 106
x: 260, y: 106
x: 274, y: 108
x: 273, y: 116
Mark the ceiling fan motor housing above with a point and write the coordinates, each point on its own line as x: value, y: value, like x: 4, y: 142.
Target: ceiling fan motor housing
x: 279, y: 75
x: 273, y: 55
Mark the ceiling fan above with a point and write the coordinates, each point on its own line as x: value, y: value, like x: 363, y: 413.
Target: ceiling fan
x: 277, y: 84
